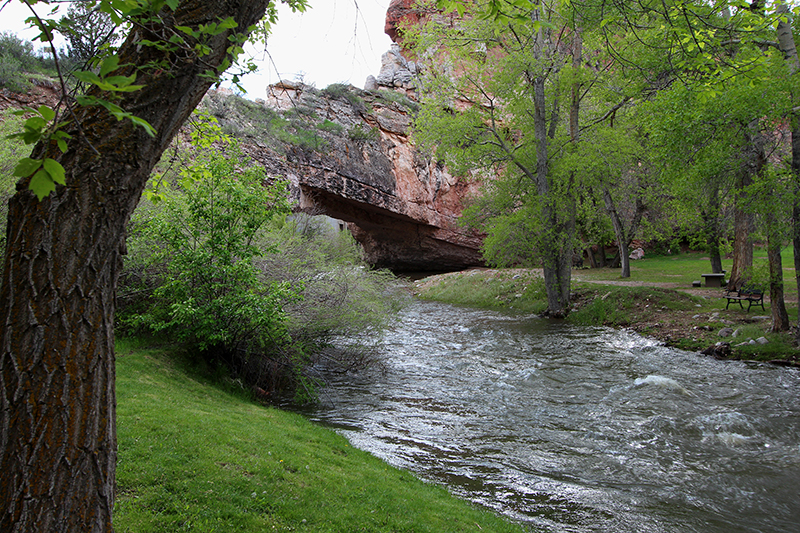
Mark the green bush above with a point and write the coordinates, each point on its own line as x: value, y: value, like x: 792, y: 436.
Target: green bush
x: 330, y: 127
x: 212, y: 297
x: 398, y: 98
x: 360, y: 133
x: 342, y: 91
x: 10, y: 154
x: 214, y: 263
x: 344, y: 305
x: 19, y: 63
x: 17, y: 60
x: 194, y: 255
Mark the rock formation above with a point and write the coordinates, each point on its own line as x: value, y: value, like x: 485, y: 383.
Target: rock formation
x: 348, y: 155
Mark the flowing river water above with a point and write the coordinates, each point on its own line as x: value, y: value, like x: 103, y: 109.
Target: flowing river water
x: 575, y: 429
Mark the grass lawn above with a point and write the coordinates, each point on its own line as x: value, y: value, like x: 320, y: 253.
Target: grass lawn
x: 195, y: 457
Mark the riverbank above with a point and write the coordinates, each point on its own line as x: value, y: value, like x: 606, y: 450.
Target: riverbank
x: 672, y: 311
x: 196, y: 456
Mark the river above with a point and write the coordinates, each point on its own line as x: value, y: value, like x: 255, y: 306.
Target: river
x: 575, y: 429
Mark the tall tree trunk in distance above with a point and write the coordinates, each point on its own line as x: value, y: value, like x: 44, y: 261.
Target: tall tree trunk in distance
x: 592, y: 258
x: 619, y: 233
x: 556, y: 276
x: 602, y: 260
x: 743, y: 227
x: 788, y: 47
x: 711, y: 220
x: 780, y: 318
x: 57, y: 401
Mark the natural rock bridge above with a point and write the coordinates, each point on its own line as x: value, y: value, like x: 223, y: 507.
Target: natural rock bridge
x: 349, y: 156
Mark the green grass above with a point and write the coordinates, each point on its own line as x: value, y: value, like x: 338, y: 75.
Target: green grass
x: 617, y: 306
x: 196, y: 457
x: 521, y: 291
x: 687, y: 267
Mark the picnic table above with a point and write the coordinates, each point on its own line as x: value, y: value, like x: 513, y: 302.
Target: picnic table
x: 714, y: 280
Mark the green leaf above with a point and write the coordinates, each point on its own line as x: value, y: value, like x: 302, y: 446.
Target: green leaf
x: 26, y: 167
x: 55, y: 170
x: 187, y: 30
x: 142, y: 123
x: 228, y: 23
x: 110, y: 64
x: 87, y: 76
x: 120, y: 81
x: 41, y: 184
x: 47, y: 113
x: 35, y: 123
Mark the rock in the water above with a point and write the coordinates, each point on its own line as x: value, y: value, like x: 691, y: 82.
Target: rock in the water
x: 720, y: 350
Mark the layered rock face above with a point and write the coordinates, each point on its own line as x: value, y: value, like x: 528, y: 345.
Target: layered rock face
x: 348, y: 155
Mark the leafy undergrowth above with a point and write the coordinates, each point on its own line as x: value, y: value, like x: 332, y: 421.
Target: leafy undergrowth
x: 672, y: 316
x: 195, y: 457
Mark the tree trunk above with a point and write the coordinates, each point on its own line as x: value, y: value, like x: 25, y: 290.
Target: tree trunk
x: 556, y: 276
x: 602, y: 261
x: 592, y: 258
x: 619, y: 233
x: 780, y: 318
x: 743, y: 227
x: 57, y: 401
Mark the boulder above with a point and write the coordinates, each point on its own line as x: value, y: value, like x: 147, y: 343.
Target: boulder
x: 720, y: 350
x: 726, y: 332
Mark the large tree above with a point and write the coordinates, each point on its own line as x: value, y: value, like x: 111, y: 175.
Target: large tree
x: 57, y: 401
x: 495, y: 101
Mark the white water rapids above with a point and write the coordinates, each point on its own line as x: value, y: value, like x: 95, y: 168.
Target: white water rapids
x: 573, y: 429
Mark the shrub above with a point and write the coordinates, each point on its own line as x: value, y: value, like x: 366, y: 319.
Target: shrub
x: 193, y: 255
x: 212, y: 298
x: 214, y: 263
x: 17, y: 60
x: 360, y: 133
x: 398, y: 98
x: 10, y: 154
x: 330, y: 127
x: 342, y: 91
x: 344, y: 305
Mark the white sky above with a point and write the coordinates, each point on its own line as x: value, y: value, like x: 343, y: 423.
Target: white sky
x: 332, y: 42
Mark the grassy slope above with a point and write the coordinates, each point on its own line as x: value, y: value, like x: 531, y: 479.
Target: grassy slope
x: 193, y: 457
x: 601, y: 297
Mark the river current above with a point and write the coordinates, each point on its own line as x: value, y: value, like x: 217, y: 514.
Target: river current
x: 574, y: 429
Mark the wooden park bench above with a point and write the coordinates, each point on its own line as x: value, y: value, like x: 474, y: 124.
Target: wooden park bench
x: 751, y: 295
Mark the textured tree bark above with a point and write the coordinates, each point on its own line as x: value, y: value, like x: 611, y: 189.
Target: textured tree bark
x: 57, y: 401
x: 743, y: 227
x: 711, y: 219
x: 780, y: 318
x: 619, y: 233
